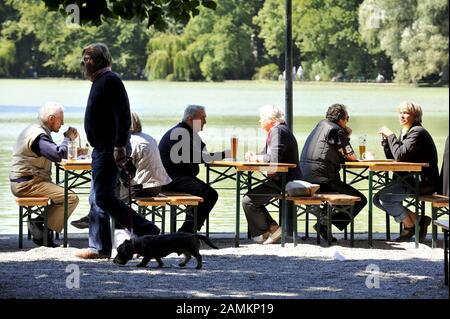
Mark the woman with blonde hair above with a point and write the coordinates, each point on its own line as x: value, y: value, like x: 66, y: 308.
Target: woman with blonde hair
x: 414, y: 144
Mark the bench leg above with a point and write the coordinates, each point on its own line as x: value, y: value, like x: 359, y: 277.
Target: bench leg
x: 294, y: 225
x: 433, y: 227
x: 352, y: 227
x: 21, y: 227
x: 45, y: 226
x: 318, y: 225
x: 329, y: 208
x: 195, y: 218
x: 163, y: 219
x: 173, y: 218
x: 388, y: 227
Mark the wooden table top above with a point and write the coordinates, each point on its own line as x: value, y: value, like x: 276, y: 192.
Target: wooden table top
x: 387, y: 165
x: 253, y: 166
x: 76, y: 164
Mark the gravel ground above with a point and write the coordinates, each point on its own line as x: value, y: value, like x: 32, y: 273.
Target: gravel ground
x: 393, y: 270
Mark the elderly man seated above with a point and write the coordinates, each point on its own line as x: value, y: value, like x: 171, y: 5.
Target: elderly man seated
x: 31, y: 168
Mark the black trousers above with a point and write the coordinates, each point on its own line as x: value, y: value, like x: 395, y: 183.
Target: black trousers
x: 197, y: 187
x: 254, y: 205
x: 341, y: 220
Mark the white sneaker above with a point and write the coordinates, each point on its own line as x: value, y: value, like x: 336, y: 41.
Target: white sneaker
x: 120, y: 235
x: 274, y: 237
x: 261, y: 238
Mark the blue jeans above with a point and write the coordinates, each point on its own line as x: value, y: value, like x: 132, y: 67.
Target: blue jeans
x: 104, y: 203
x: 390, y: 200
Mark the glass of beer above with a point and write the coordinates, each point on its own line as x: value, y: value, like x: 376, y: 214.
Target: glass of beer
x: 362, y: 145
x: 234, y: 147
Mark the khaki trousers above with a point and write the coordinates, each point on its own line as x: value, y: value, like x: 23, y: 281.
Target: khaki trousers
x: 38, y: 187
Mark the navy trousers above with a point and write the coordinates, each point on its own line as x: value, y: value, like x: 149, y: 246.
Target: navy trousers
x: 104, y: 203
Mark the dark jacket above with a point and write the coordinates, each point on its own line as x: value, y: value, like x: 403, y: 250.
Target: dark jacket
x: 416, y: 146
x: 188, y: 151
x: 444, y: 172
x: 107, y: 119
x: 283, y: 149
x: 320, y: 161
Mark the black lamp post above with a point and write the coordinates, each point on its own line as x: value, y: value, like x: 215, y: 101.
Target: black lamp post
x: 288, y: 97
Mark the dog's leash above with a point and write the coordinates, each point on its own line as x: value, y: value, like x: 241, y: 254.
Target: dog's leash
x: 130, y: 201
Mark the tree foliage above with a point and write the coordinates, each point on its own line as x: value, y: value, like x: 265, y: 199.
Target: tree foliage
x: 52, y: 47
x: 156, y: 13
x: 414, y: 34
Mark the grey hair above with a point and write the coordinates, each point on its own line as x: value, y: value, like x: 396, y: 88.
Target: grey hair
x: 414, y: 109
x: 191, y: 110
x: 49, y: 109
x: 136, y: 126
x: 271, y: 112
x: 99, y: 53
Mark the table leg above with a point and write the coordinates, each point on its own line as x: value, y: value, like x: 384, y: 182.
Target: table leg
x: 238, y: 207
x: 446, y: 256
x: 370, y: 202
x: 284, y: 217
x: 207, y: 182
x: 66, y: 205
x: 416, y: 207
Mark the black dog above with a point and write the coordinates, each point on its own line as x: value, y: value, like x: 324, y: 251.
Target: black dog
x: 158, y: 246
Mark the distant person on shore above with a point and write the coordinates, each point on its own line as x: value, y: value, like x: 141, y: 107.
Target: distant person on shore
x: 182, y: 150
x: 326, y: 147
x: 31, y: 167
x: 414, y: 144
x: 107, y: 124
x: 281, y: 147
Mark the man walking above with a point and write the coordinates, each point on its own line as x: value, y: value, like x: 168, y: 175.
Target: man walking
x: 107, y: 124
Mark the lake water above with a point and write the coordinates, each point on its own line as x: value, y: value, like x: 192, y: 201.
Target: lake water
x: 232, y: 108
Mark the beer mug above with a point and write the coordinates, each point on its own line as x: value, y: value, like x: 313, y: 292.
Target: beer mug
x: 72, y: 151
x: 234, y: 147
x: 368, y: 155
x: 362, y: 145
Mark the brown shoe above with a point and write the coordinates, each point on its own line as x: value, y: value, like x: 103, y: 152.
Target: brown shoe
x: 405, y: 235
x: 424, y: 222
x: 89, y: 254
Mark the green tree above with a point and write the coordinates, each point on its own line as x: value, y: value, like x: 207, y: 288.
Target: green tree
x: 7, y: 56
x: 221, y: 41
x: 414, y: 34
x: 157, y: 13
x: 158, y: 65
x: 325, y: 32
x: 55, y: 46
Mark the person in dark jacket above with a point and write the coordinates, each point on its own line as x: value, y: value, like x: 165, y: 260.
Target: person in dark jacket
x: 182, y: 150
x: 444, y: 190
x: 107, y: 124
x: 325, y: 149
x: 416, y: 145
x: 281, y: 147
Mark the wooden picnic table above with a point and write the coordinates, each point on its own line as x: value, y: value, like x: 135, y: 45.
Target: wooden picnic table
x: 372, y: 167
x: 241, y: 172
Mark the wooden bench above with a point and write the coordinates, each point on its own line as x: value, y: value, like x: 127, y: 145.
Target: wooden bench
x: 178, y: 202
x: 29, y: 206
x: 439, y: 207
x: 334, y: 202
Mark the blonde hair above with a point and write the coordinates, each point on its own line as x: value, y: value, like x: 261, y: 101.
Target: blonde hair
x: 271, y: 112
x: 136, y: 126
x: 414, y: 109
